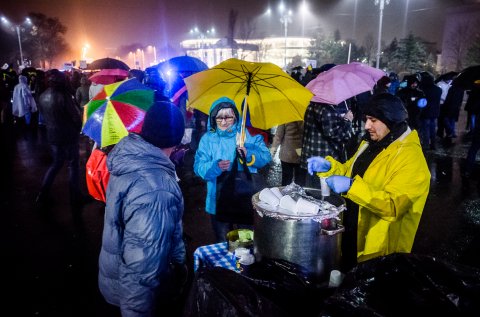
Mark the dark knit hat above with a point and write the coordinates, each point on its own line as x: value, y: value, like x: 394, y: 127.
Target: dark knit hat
x: 56, y: 78
x: 387, y: 108
x: 383, y: 82
x: 163, y: 125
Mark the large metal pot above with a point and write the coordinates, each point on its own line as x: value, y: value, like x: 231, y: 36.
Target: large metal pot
x: 303, y: 240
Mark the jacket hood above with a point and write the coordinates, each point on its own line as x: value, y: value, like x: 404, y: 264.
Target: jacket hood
x: 133, y: 154
x: 22, y: 79
x: 222, y: 103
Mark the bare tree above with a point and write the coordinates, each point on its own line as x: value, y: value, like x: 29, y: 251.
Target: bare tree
x: 232, y: 22
x: 247, y: 29
x: 46, y: 39
x: 459, y: 40
x: 263, y: 49
x: 369, y: 45
x: 473, y: 51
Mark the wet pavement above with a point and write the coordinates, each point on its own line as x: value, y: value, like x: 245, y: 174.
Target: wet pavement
x: 50, y: 256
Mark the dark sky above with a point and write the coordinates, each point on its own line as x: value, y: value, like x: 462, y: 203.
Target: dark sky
x: 107, y: 24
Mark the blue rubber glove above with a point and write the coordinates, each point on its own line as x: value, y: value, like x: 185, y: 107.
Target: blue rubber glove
x: 422, y: 103
x: 339, y: 184
x: 318, y: 164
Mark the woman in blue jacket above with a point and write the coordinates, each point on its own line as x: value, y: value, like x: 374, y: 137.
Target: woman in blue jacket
x: 217, y: 151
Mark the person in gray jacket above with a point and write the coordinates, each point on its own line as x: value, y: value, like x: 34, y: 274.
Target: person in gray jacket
x: 142, y: 245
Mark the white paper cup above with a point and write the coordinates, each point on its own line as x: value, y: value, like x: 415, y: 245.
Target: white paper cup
x: 324, y: 187
x: 266, y: 195
x: 277, y: 192
x: 288, y: 203
x: 239, y: 252
x: 335, y: 278
x: 305, y: 207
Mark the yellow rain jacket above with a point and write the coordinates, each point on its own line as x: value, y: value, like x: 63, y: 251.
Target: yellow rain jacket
x: 390, y: 195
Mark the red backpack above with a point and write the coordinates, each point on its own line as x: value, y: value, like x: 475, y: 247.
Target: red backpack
x: 97, y: 175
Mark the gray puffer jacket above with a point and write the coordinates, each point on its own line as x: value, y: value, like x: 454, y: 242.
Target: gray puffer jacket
x: 142, y: 231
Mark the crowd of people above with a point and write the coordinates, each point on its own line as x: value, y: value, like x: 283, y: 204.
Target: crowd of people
x: 370, y: 149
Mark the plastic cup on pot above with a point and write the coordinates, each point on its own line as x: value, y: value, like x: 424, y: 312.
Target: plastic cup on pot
x: 288, y: 203
x: 305, y: 207
x: 277, y: 192
x: 266, y: 195
x: 324, y: 187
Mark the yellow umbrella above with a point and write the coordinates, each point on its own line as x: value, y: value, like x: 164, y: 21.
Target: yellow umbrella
x: 272, y: 96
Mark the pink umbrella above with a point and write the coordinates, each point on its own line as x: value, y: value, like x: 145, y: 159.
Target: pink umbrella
x: 109, y: 76
x: 343, y: 81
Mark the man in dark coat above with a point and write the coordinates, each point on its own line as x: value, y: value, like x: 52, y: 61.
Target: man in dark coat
x: 429, y: 114
x: 410, y: 96
x: 451, y: 110
x: 63, y: 122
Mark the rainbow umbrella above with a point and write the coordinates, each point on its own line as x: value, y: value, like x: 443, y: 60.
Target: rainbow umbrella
x: 116, y: 110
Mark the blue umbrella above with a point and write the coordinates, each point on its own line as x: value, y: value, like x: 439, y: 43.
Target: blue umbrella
x: 176, y: 69
x: 182, y: 65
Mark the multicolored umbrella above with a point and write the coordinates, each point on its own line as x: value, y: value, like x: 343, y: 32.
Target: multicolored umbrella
x: 116, y: 110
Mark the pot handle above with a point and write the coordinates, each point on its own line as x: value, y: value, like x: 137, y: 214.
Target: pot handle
x: 333, y: 232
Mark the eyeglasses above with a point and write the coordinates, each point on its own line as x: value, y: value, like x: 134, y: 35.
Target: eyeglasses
x: 228, y: 119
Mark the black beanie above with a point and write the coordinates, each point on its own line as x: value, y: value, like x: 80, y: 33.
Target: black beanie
x: 163, y: 125
x: 387, y: 108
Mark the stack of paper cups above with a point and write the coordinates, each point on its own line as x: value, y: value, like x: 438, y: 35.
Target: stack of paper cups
x: 288, y: 203
x: 305, y: 207
x: 324, y: 187
x: 266, y: 195
x: 277, y: 192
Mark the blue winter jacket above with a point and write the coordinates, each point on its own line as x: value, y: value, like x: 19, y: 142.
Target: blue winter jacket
x: 142, y: 231
x: 217, y: 145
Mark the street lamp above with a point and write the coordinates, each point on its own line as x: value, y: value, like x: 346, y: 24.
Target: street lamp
x: 304, y: 12
x: 84, y: 51
x: 17, y: 29
x: 285, y: 19
x: 382, y: 6
x: 134, y: 58
x: 152, y: 49
x: 141, y: 57
x: 202, y: 36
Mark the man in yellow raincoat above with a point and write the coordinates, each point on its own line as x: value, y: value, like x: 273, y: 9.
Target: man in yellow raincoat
x: 386, y: 184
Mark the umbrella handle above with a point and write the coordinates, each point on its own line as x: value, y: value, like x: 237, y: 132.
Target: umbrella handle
x: 244, y: 119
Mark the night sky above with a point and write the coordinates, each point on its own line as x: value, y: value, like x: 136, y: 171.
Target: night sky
x: 108, y: 24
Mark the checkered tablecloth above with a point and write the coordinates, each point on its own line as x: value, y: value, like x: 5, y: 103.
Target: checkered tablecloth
x: 214, y: 255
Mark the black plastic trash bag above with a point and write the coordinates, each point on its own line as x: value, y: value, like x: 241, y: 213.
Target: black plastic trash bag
x: 288, y: 285
x: 407, y: 285
x: 268, y: 288
x: 220, y: 292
